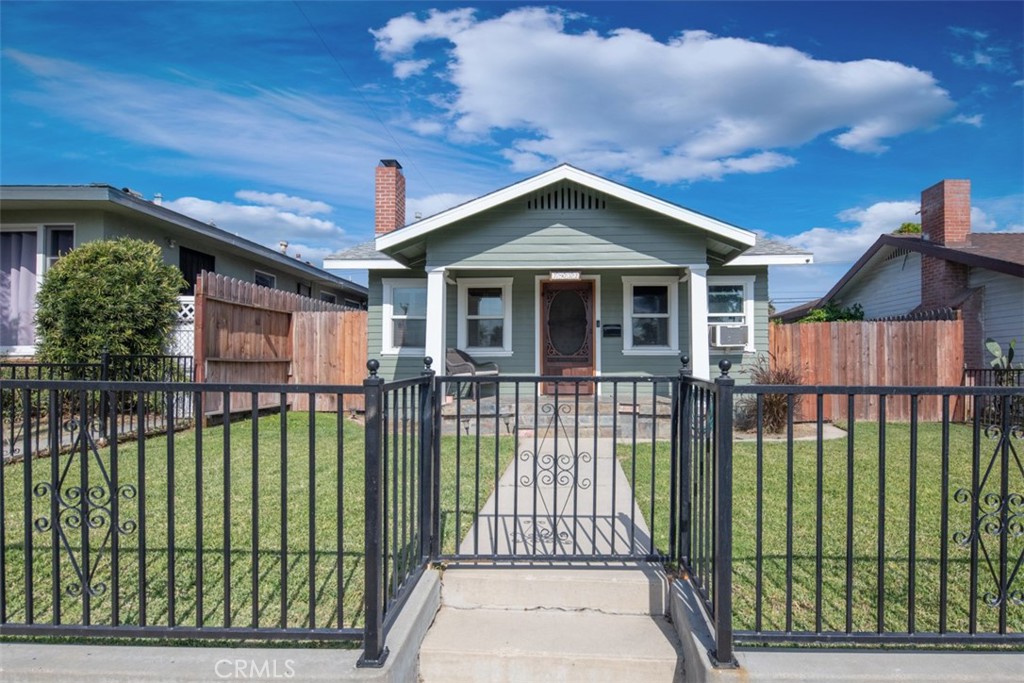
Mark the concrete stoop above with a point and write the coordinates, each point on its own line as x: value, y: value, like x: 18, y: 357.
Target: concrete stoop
x: 585, y: 624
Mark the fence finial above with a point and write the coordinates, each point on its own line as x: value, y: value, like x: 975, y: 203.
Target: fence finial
x: 427, y: 362
x: 373, y: 365
x: 685, y: 361
x: 724, y: 366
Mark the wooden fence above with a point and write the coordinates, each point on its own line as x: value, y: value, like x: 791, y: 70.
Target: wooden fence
x: 890, y: 353
x: 247, y: 334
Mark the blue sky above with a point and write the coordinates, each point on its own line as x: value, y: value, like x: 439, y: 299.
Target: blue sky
x: 818, y: 123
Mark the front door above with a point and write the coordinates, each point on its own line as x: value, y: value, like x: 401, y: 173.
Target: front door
x: 567, y: 333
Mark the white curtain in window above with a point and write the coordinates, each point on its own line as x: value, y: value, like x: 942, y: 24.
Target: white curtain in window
x: 17, y: 288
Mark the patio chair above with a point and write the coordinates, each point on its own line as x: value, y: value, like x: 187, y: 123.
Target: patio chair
x: 458, y: 363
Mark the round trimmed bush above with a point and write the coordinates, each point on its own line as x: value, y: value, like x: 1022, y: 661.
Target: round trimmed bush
x: 116, y: 295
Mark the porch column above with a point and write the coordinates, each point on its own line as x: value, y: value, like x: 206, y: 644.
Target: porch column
x: 436, y: 300
x: 700, y: 360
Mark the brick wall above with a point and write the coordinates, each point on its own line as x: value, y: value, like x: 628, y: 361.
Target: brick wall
x: 389, y: 202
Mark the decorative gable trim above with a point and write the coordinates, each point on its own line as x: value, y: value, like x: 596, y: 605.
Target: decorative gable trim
x: 534, y: 185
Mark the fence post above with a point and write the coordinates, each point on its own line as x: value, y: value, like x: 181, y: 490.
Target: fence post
x: 426, y: 456
x: 104, y: 377
x: 374, y: 652
x: 684, y: 431
x: 722, y: 589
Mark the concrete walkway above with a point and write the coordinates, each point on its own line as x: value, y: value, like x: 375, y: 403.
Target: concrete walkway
x: 548, y: 615
x: 569, y: 498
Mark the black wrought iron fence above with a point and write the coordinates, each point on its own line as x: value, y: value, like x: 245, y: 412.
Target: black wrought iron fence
x: 875, y: 531
x: 989, y: 408
x: 35, y: 406
x: 269, y: 522
x: 266, y: 521
x: 556, y: 467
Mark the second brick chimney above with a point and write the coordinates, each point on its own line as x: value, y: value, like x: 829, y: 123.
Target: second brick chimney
x: 390, y: 197
x: 946, y: 212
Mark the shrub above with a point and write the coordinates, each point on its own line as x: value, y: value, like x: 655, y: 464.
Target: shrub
x: 116, y: 295
x: 832, y: 313
x: 775, y: 407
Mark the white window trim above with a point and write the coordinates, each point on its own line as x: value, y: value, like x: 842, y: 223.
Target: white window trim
x: 748, y: 308
x: 465, y: 283
x: 42, y: 231
x: 388, y: 347
x: 671, y: 282
x: 273, y: 278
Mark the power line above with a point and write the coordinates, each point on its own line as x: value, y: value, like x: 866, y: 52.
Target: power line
x: 366, y: 103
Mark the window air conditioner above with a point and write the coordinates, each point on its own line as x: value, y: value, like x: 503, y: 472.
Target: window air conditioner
x: 725, y: 336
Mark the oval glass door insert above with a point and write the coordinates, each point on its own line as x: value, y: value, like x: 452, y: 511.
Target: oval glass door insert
x: 567, y: 322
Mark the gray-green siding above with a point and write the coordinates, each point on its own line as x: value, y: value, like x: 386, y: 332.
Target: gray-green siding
x: 524, y: 320
x: 617, y: 236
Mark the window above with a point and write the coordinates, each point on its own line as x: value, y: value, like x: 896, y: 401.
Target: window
x: 651, y: 315
x: 192, y: 264
x: 731, y: 312
x: 304, y: 290
x: 60, y: 240
x: 404, y: 316
x: 328, y: 297
x: 485, y: 315
x: 265, y: 279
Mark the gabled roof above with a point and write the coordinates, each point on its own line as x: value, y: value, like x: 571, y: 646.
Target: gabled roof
x: 999, y: 252
x: 106, y: 197
x: 564, y: 172
x: 735, y: 245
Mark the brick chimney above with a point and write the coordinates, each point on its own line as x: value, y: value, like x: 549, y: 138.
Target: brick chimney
x: 390, y: 197
x: 946, y: 212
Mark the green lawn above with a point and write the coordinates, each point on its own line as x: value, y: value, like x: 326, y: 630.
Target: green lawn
x: 927, y: 533
x: 322, y: 587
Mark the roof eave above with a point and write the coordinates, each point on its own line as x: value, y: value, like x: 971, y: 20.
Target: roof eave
x: 393, y: 240
x: 363, y: 264
x: 772, y: 260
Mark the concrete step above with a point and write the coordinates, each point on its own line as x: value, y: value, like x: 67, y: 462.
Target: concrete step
x: 625, y: 589
x: 498, y: 645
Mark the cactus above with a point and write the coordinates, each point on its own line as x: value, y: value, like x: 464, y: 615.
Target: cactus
x: 1000, y: 360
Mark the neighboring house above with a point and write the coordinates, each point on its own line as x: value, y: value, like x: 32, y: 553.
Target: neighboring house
x: 39, y: 223
x: 564, y: 273
x: 978, y: 275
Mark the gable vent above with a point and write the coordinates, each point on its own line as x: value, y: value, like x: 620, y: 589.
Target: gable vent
x: 897, y: 253
x: 564, y: 198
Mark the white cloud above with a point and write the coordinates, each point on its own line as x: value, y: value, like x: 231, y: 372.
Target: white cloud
x: 410, y: 67
x: 1020, y: 83
x: 696, y: 106
x: 280, y: 200
x: 845, y: 245
x: 433, y: 204
x: 267, y: 225
x: 975, y: 120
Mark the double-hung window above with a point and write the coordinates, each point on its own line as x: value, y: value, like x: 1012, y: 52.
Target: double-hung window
x: 651, y: 315
x: 485, y: 315
x: 731, y: 313
x: 404, y: 316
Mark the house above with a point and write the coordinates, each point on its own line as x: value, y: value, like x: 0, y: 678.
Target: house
x: 945, y: 269
x: 39, y: 223
x: 563, y: 273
